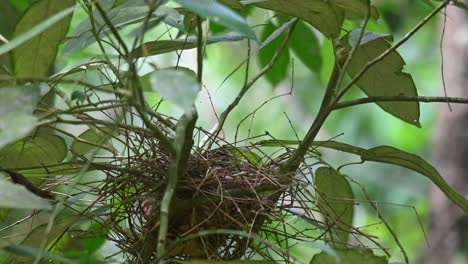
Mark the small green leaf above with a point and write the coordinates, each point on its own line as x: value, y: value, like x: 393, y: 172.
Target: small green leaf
x: 92, y: 139
x: 279, y: 71
x: 176, y: 86
x: 18, y: 197
x: 306, y: 46
x: 385, y: 78
x: 336, y: 203
x: 32, y: 151
x: 413, y: 162
x: 349, y: 256
x: 219, y: 14
x: 34, y: 252
x: 34, y: 57
x: 164, y: 46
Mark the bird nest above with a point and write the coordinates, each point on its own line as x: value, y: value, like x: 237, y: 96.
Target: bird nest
x: 219, y: 192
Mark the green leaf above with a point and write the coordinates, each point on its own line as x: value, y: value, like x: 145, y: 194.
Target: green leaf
x: 322, y: 15
x: 32, y: 151
x: 219, y: 14
x: 355, y: 8
x: 34, y: 252
x: 385, y: 78
x: 349, y: 256
x: 53, y: 170
x: 336, y: 202
x: 306, y: 46
x: 38, y: 235
x: 164, y: 46
x: 34, y: 57
x: 391, y: 155
x: 92, y: 139
x: 177, y: 86
x: 16, y: 110
x: 18, y: 197
x: 36, y: 30
x: 279, y: 71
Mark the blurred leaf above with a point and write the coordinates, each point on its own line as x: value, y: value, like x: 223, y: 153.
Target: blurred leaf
x: 355, y: 8
x: 34, y: 57
x: 385, y: 78
x: 279, y: 71
x: 36, y: 30
x: 413, y: 162
x: 123, y: 15
x: 322, y: 15
x: 229, y: 261
x: 4, y: 213
x: 53, y: 170
x: 219, y: 14
x: 38, y: 235
x: 164, y: 46
x: 336, y: 204
x: 18, y: 197
x: 177, y: 86
x: 34, y: 252
x: 306, y: 46
x: 92, y: 139
x: 16, y: 110
x: 232, y: 4
x: 40, y: 150
x: 349, y: 256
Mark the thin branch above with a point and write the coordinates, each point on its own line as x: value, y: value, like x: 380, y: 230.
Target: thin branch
x: 249, y: 84
x: 401, y: 98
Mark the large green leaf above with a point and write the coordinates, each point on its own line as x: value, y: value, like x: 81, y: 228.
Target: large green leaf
x: 38, y: 150
x: 355, y: 8
x: 36, y: 30
x: 220, y: 14
x: 413, y: 162
x: 177, y: 86
x: 38, y: 235
x: 35, y: 252
x: 336, y: 202
x: 164, y: 46
x: 349, y: 256
x: 34, y: 57
x: 322, y: 15
x: 306, y: 46
x: 92, y: 139
x: 385, y: 78
x: 279, y: 71
x: 391, y: 155
x: 16, y: 111
x: 18, y: 197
